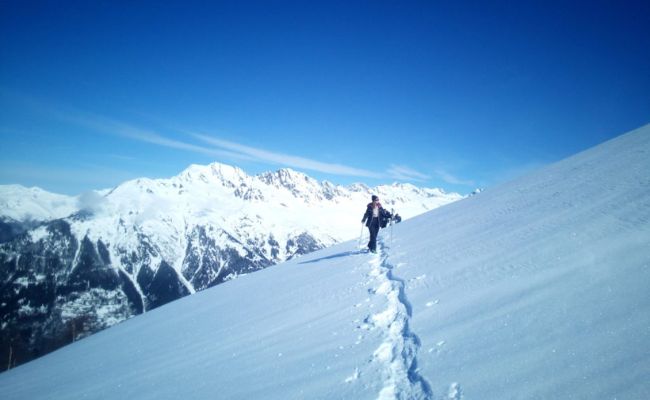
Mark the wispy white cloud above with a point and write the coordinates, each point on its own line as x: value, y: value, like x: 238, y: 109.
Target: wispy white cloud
x: 452, y: 179
x: 216, y: 147
x: 294, y: 161
x: 395, y: 171
x: 210, y: 145
x: 406, y: 173
x: 225, y: 149
x: 91, y: 201
x: 114, y: 127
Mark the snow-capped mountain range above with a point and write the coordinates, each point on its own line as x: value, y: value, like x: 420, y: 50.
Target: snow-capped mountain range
x: 75, y: 265
x: 535, y: 289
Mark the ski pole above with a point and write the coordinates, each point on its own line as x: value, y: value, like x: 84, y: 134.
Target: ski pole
x: 392, y: 213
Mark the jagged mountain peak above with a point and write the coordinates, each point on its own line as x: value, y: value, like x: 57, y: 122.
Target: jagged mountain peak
x: 286, y: 177
x: 406, y: 186
x: 298, y: 184
x: 213, y: 173
x: 359, y: 187
x: 227, y: 171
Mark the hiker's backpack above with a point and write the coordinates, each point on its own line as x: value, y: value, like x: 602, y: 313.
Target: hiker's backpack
x: 384, y: 217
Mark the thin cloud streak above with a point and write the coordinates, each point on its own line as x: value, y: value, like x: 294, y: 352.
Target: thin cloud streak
x: 220, y: 148
x: 286, y: 159
x: 451, y: 179
x: 405, y: 173
x: 121, y: 129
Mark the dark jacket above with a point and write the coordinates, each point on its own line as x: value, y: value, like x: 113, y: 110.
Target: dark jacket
x: 384, y: 216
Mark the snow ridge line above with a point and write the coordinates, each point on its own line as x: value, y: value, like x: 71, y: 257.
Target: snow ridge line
x: 398, y: 352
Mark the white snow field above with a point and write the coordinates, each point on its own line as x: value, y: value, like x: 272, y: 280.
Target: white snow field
x: 19, y: 203
x: 536, y: 289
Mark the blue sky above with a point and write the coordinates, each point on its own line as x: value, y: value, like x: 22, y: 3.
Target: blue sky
x: 445, y: 94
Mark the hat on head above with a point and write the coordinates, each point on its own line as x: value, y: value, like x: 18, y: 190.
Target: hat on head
x: 374, y: 197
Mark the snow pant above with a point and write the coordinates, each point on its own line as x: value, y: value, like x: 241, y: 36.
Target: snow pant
x: 374, y: 230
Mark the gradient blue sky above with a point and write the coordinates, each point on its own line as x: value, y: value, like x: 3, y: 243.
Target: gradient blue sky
x: 450, y: 94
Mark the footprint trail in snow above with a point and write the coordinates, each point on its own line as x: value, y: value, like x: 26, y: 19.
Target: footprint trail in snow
x: 397, y: 354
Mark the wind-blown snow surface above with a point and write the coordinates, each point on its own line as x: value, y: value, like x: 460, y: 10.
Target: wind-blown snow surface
x: 537, y: 289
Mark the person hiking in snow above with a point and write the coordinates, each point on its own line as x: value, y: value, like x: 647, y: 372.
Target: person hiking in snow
x: 375, y: 218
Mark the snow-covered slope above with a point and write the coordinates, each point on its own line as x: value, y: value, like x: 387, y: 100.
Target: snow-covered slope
x: 147, y: 242
x: 537, y: 289
x: 24, y: 208
x: 34, y: 204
